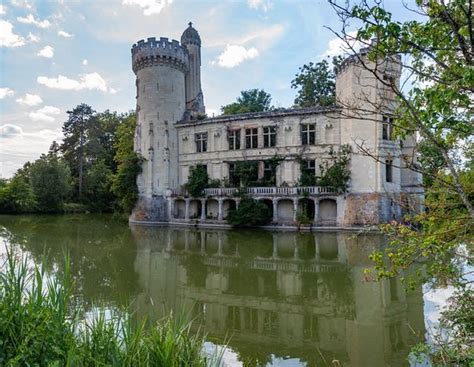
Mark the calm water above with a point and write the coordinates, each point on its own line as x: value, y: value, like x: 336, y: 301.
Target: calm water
x: 285, y: 299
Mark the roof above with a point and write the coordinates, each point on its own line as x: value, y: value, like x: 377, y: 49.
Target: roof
x: 190, y: 35
x: 262, y: 115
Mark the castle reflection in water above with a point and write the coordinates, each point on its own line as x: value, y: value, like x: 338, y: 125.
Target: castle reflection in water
x: 286, y: 295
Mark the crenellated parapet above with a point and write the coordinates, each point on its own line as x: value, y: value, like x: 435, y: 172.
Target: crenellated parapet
x: 154, y: 52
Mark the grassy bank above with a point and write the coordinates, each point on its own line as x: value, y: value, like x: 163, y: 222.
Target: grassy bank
x: 41, y: 325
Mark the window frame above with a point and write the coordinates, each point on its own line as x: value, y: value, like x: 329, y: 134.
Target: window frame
x: 251, y: 138
x: 201, y: 140
x: 387, y: 127
x: 233, y: 139
x: 308, y: 134
x: 269, y: 136
x: 389, y: 170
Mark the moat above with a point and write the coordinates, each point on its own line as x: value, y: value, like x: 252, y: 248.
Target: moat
x: 275, y: 298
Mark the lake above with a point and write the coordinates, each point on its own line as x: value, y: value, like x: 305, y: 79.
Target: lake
x: 275, y: 298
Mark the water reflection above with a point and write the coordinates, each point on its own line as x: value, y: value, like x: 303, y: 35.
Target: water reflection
x: 280, y: 294
x: 275, y: 295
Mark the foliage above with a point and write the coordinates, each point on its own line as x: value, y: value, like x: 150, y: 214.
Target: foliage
x: 124, y: 181
x: 335, y: 172
x: 78, y: 131
x: 16, y: 196
x: 252, y: 100
x: 246, y: 172
x: 434, y: 100
x: 41, y: 326
x: 198, y: 180
x: 249, y: 213
x: 98, y: 194
x: 316, y: 84
x: 50, y: 180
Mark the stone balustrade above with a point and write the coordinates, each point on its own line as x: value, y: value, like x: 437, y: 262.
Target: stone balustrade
x: 261, y: 191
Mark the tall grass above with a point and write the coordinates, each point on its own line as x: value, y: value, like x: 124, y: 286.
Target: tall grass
x: 40, y: 325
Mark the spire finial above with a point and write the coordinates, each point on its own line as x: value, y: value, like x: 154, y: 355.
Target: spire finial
x: 190, y: 24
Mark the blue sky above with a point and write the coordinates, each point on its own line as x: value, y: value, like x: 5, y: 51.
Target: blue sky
x: 56, y: 54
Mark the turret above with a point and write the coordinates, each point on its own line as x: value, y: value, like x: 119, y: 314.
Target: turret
x: 194, y: 97
x: 160, y: 67
x: 364, y: 91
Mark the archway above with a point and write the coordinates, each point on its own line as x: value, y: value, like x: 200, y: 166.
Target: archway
x: 212, y: 209
x: 285, y: 211
x: 327, y: 212
x: 179, y: 209
x: 195, y: 209
x: 306, y: 206
x: 269, y: 204
x: 227, y: 206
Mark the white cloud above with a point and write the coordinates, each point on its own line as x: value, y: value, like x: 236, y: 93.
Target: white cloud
x: 33, y: 38
x: 234, y: 55
x: 30, y: 19
x: 3, y: 10
x: 85, y: 62
x: 45, y: 114
x: 149, y: 7
x: 47, y: 52
x: 7, y: 37
x: 30, y: 100
x: 337, y: 46
x: 22, y: 4
x: 9, y: 130
x: 65, y: 34
x: 6, y: 92
x: 264, y: 5
x: 86, y: 81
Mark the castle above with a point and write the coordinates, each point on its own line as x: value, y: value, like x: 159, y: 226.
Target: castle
x: 174, y: 135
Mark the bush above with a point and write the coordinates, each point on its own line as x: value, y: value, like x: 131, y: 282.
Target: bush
x: 198, y: 181
x: 250, y: 213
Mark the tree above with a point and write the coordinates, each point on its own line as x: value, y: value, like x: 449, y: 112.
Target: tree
x: 50, y: 179
x: 16, y: 196
x: 98, y: 194
x: 252, y: 100
x: 77, y: 132
x: 435, y: 100
x: 129, y: 163
x: 316, y: 84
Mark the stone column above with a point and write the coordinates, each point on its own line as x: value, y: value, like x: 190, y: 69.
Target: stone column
x: 296, y: 253
x: 220, y: 215
x: 275, y: 246
x: 203, y: 209
x: 203, y: 242
x: 171, y: 208
x: 186, y: 208
x: 316, y: 247
x: 275, y: 210
x: 295, y: 209
x: 316, y: 211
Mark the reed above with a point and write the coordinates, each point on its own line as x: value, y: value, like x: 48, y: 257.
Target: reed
x: 41, y: 325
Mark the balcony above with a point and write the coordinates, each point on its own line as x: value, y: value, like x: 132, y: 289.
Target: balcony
x: 262, y: 191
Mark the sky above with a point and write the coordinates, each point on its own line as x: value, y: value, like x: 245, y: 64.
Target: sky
x: 56, y: 54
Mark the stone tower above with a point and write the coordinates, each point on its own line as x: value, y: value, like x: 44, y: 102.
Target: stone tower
x: 366, y: 125
x: 160, y: 67
x: 194, y: 98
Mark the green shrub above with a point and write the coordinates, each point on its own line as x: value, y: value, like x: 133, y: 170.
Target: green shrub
x: 198, y: 180
x: 249, y: 213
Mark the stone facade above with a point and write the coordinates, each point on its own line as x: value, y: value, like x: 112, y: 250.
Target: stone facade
x: 174, y: 135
